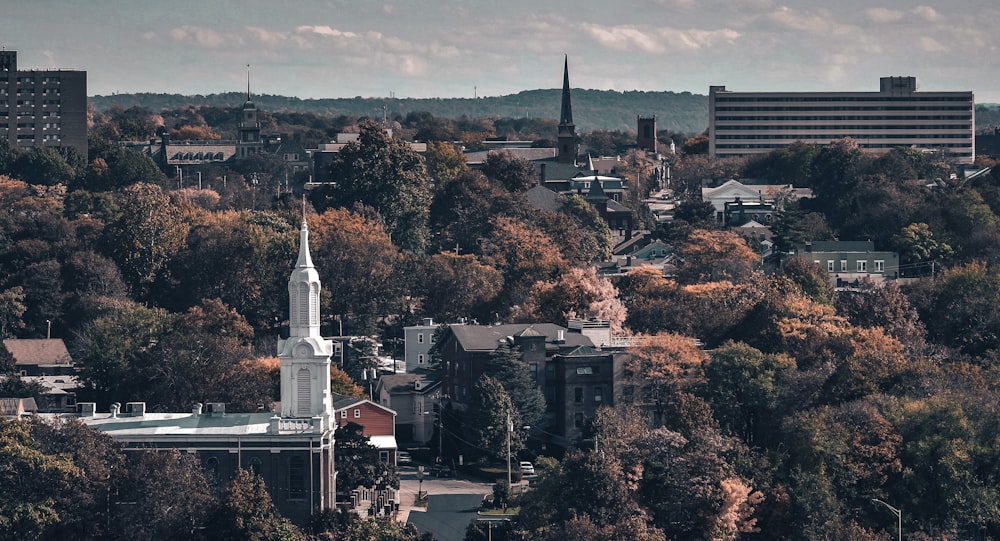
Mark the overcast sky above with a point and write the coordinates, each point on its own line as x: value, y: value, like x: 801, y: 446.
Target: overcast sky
x: 458, y: 48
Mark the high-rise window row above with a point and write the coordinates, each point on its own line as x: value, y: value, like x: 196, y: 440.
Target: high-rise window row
x: 32, y: 95
x: 743, y: 123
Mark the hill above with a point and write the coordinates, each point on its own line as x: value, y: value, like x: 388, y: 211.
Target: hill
x: 592, y: 109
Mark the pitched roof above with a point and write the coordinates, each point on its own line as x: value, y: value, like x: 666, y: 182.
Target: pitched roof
x: 13, y: 407
x: 543, y: 199
x: 38, y: 351
x: 406, y: 383
x: 488, y: 337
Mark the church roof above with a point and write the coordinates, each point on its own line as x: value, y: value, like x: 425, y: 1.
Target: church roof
x: 566, y: 115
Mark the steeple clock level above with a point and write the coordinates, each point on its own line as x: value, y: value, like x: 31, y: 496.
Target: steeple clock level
x: 305, y: 355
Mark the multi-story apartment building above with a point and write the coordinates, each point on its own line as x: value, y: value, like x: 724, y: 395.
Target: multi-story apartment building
x: 42, y: 108
x: 742, y: 123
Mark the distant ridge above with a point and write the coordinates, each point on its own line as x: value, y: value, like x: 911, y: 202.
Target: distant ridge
x: 592, y: 109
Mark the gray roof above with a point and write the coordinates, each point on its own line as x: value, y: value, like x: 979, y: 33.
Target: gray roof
x: 177, y: 424
x: 488, y: 337
x: 543, y: 199
x: 405, y: 383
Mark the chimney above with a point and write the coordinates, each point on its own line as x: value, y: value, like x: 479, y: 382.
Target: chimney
x: 275, y: 425
x: 217, y: 409
x: 196, y: 408
x: 560, y: 336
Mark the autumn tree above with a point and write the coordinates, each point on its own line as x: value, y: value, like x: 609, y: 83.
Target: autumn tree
x: 578, y: 293
x: 663, y: 364
x: 486, y: 423
x: 384, y: 173
x: 524, y: 254
x: 357, y: 264
x: 715, y: 255
x: 453, y: 286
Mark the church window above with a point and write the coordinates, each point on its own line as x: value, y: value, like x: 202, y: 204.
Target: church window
x: 304, y: 394
x: 302, y: 305
x: 296, y: 478
x: 313, y: 304
x: 255, y: 465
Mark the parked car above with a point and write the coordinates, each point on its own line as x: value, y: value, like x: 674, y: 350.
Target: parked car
x: 527, y: 468
x: 403, y: 458
x: 444, y: 471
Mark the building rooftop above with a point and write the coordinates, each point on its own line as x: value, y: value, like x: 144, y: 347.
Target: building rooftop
x: 38, y: 351
x: 488, y: 337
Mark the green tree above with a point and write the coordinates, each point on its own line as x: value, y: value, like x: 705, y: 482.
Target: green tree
x: 490, y: 411
x: 247, y: 513
x: 916, y: 244
x: 47, y: 166
x: 743, y: 386
x: 12, y: 308
x: 120, y: 167
x: 386, y: 174
x: 358, y: 463
x: 164, y: 495
x: 514, y: 173
x: 507, y: 367
x: 445, y: 162
x: 147, y: 234
x: 29, y: 483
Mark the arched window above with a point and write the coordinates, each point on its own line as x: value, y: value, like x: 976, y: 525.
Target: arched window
x: 296, y: 478
x: 255, y: 465
x: 212, y: 471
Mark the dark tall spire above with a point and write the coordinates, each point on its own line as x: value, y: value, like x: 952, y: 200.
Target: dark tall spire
x: 567, y: 107
x: 567, y: 131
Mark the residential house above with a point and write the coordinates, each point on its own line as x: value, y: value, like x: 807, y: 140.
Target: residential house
x: 415, y: 397
x: 849, y: 262
x: 40, y: 357
x: 417, y: 343
x: 577, y: 383
x: 379, y: 422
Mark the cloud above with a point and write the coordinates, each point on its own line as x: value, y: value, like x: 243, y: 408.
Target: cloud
x: 657, y: 41
x: 206, y: 37
x: 931, y: 45
x: 927, y: 13
x: 884, y: 15
x: 325, y: 31
x: 624, y: 38
x: 790, y: 18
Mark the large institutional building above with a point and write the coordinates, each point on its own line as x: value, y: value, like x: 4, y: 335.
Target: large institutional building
x: 743, y: 123
x: 42, y: 108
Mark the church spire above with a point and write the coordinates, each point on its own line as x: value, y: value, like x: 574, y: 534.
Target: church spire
x: 567, y: 106
x: 248, y: 82
x: 567, y: 130
x: 303, y: 291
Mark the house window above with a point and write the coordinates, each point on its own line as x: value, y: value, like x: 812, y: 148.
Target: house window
x: 584, y: 370
x: 420, y: 358
x: 578, y: 420
x: 357, y: 414
x: 598, y: 394
x: 578, y: 395
x: 879, y: 265
x: 816, y: 261
x: 296, y: 478
x: 383, y: 457
x: 829, y: 265
x: 862, y: 265
x: 534, y: 372
x: 343, y: 414
x: 843, y: 265
x: 420, y: 338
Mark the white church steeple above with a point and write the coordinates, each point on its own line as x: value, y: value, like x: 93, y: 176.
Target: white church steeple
x: 305, y: 355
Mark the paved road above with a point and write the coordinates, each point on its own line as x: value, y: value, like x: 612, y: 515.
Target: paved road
x: 452, y: 503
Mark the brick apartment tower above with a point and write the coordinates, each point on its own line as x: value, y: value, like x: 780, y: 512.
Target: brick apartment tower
x: 42, y: 108
x: 568, y: 147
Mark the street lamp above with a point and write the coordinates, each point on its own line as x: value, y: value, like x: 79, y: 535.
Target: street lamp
x: 899, y: 516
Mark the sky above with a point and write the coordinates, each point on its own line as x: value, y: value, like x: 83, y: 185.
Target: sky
x: 468, y: 48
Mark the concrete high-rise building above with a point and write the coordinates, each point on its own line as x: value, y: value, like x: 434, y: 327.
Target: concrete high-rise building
x: 42, y: 108
x: 898, y: 115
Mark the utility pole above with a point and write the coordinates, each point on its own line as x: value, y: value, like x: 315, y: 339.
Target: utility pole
x: 899, y: 516
x: 510, y: 428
